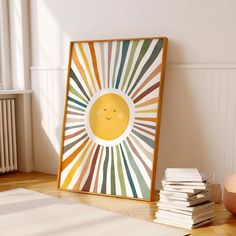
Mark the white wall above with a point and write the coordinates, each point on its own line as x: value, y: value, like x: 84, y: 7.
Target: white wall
x: 199, y: 117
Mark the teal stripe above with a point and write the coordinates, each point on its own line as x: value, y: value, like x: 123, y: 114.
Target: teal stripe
x: 145, y: 46
x: 115, y: 63
x: 76, y: 102
x: 147, y: 140
x: 104, y: 187
x: 74, y: 127
x: 143, y: 186
x: 74, y: 77
x: 149, y: 62
x: 113, y: 183
x: 128, y: 174
x: 122, y: 62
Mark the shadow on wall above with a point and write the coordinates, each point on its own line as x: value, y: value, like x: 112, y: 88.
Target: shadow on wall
x: 48, y: 108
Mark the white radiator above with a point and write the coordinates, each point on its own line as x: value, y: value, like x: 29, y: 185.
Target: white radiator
x: 8, y: 150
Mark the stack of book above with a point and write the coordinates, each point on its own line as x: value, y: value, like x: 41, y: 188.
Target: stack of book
x: 185, y: 199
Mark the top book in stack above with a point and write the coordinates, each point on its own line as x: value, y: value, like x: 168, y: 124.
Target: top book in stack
x: 184, y: 175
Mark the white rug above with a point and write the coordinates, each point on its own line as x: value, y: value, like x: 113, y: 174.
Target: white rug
x: 27, y: 213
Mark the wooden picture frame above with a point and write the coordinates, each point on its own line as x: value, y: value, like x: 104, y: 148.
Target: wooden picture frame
x: 112, y: 116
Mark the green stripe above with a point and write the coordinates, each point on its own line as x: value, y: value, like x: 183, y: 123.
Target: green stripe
x: 143, y: 186
x: 125, y: 48
x: 120, y: 173
x: 104, y: 187
x: 149, y: 62
x: 113, y: 183
x: 75, y: 108
x: 128, y: 174
x: 131, y: 57
x: 72, y: 90
x: 142, y: 53
x: 115, y: 63
x: 74, y: 77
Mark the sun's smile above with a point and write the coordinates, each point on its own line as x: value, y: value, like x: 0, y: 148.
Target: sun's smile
x: 109, y: 116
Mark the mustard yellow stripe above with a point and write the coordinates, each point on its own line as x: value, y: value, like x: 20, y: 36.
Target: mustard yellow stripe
x: 75, y: 167
x: 86, y: 64
x: 147, y: 111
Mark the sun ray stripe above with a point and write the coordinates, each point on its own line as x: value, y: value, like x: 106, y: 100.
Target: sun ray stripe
x: 74, y: 77
x: 74, y: 127
x: 130, y: 61
x: 139, y: 157
x: 84, y: 170
x: 81, y: 70
x: 70, y: 158
x: 109, y: 62
x: 146, y: 119
x: 148, y: 154
x: 74, y: 120
x: 113, y: 183
x: 142, y: 53
x: 147, y: 111
x: 144, y: 130
x: 154, y: 73
x: 77, y: 102
x: 125, y: 48
x: 147, y: 103
x: 147, y: 140
x: 105, y: 165
x: 117, y: 54
x: 148, y: 63
x: 75, y: 167
x: 98, y: 170
x: 146, y: 92
x: 103, y: 63
x: 146, y: 125
x: 69, y: 146
x: 74, y: 134
x: 73, y: 91
x: 95, y: 66
x: 74, y: 113
x: 142, y: 183
x: 75, y: 108
x: 120, y: 172
x: 87, y: 184
x: 128, y: 173
x: 86, y: 64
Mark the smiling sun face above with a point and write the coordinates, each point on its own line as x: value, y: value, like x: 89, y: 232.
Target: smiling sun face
x: 109, y: 116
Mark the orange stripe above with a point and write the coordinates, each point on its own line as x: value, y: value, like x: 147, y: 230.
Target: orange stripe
x: 72, y: 156
x: 95, y: 67
x: 81, y: 70
x: 146, y: 119
x: 149, y: 102
x: 75, y: 167
x: 86, y: 64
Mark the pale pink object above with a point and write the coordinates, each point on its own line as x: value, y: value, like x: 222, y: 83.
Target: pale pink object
x: 230, y: 194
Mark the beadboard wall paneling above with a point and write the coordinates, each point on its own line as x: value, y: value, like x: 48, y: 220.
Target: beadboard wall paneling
x: 198, y: 119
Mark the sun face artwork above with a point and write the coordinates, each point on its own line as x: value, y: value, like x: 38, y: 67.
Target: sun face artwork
x: 112, y: 117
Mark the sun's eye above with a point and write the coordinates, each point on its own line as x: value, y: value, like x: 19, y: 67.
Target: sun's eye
x: 114, y: 110
x: 105, y: 109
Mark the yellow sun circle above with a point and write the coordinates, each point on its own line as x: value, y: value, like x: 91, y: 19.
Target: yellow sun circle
x: 109, y: 116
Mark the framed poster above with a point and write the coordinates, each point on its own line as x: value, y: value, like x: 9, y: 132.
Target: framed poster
x: 112, y: 117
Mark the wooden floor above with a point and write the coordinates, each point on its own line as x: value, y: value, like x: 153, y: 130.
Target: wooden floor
x: 224, y: 223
